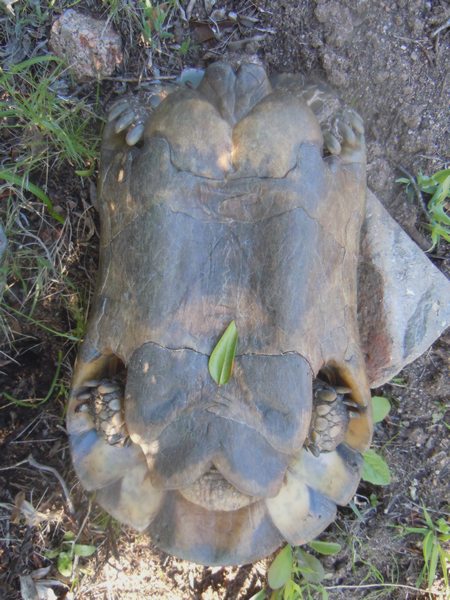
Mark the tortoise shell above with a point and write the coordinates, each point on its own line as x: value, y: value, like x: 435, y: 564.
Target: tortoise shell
x: 242, y: 200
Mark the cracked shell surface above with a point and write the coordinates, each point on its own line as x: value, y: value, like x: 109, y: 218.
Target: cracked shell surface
x: 226, y: 209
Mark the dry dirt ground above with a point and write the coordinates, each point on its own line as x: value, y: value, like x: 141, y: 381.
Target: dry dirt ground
x: 391, y: 61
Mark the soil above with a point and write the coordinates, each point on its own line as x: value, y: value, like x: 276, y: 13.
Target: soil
x: 390, y: 60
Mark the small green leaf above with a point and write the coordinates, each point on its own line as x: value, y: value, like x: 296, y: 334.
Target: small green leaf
x: 69, y: 536
x: 280, y: 570
x: 83, y: 550
x: 375, y: 469
x: 310, y: 567
x: 221, y: 361
x: 427, y: 546
x: 261, y: 595
x: 427, y: 517
x: 326, y: 548
x: 432, y: 567
x: 65, y: 564
x: 444, y: 557
x: 380, y: 408
x: 51, y: 553
x: 292, y: 591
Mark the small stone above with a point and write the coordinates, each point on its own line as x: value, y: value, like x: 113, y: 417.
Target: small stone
x: 90, y: 46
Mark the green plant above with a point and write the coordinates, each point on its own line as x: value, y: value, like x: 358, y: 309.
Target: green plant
x: 185, y: 46
x: 155, y: 17
x: 68, y: 553
x: 375, y: 469
x: 435, y: 539
x: 41, y: 127
x: 42, y: 130
x: 437, y: 187
x: 296, y: 574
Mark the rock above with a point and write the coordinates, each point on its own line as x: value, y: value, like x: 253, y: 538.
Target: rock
x: 338, y: 21
x: 404, y: 301
x: 90, y: 46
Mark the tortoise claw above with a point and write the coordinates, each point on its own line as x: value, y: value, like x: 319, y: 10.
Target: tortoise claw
x: 135, y: 134
x: 117, y: 109
x: 332, y: 143
x: 125, y: 121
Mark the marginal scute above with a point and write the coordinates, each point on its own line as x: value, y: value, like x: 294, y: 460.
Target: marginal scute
x: 213, y: 537
x: 300, y: 512
x: 99, y: 464
x: 133, y: 499
x: 333, y: 474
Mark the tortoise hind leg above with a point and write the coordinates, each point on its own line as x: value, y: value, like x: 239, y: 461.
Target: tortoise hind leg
x: 104, y: 401
x: 332, y: 411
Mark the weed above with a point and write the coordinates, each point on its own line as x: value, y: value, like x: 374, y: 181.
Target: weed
x: 185, y: 46
x: 435, y: 538
x: 375, y: 469
x: 68, y: 553
x: 155, y: 20
x: 296, y: 574
x: 42, y: 129
x: 437, y: 187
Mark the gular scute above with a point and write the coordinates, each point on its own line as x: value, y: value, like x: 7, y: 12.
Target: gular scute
x: 224, y: 206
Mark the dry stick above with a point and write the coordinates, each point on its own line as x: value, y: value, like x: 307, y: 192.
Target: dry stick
x: 373, y: 585
x: 441, y: 28
x: 33, y: 463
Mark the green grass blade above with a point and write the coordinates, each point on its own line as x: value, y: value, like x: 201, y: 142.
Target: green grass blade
x: 33, y: 189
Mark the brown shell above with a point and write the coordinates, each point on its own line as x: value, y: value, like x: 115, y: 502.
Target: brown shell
x: 227, y: 209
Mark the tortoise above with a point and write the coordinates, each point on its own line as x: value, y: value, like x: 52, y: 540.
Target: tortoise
x: 240, y: 200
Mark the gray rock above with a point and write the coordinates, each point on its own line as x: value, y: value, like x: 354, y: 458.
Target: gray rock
x: 404, y: 300
x: 90, y: 46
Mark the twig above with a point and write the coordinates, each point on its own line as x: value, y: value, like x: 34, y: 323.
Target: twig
x: 33, y: 463
x: 189, y: 9
x: 85, y: 520
x: 142, y: 79
x: 373, y: 585
x: 441, y: 28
